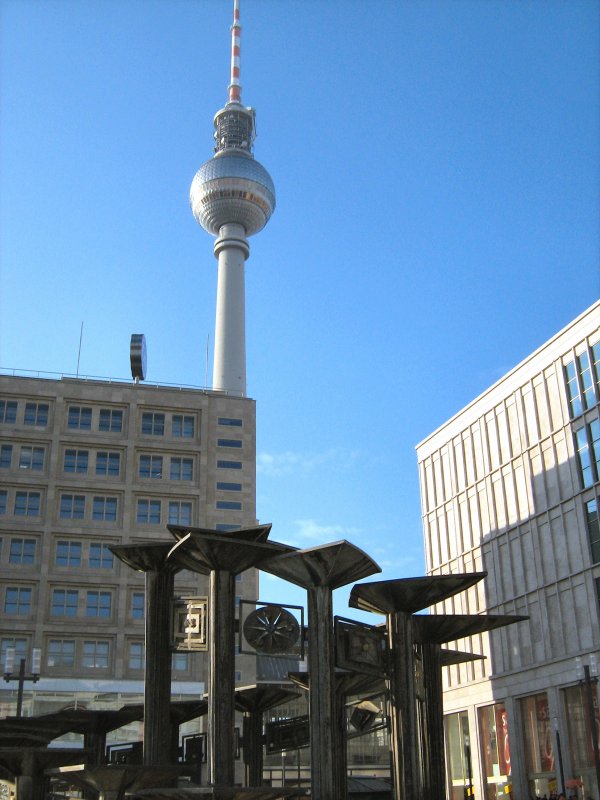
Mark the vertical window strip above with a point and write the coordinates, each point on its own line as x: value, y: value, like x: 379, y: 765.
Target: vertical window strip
x: 585, y: 375
x: 593, y: 529
x: 583, y: 455
x: 575, y: 403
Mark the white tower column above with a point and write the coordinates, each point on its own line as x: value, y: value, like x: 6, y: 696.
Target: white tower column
x: 229, y: 368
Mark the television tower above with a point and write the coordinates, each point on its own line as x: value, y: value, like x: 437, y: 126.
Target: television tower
x: 232, y: 196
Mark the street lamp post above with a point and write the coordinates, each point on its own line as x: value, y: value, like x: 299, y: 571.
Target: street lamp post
x: 467, y: 743
x: 588, y: 678
x: 559, y: 753
x: 9, y: 663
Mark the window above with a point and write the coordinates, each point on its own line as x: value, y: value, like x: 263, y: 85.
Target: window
x: 64, y: 602
x: 31, y: 458
x: 587, y: 443
x: 72, y: 506
x: 36, y: 414
x: 22, y: 551
x: 80, y: 418
x: 111, y: 420
x: 137, y: 605
x: 148, y: 512
x: 180, y: 662
x: 596, y: 365
x: 582, y: 376
x: 68, y: 554
x: 180, y: 513
x: 5, y: 456
x: 17, y: 600
x: 27, y: 504
x: 182, y: 469
x: 100, y: 556
x: 98, y: 604
x: 229, y: 487
x: 19, y: 644
x: 234, y: 423
x: 108, y: 463
x: 182, y: 426
x: 229, y: 442
x: 61, y: 653
x: 104, y: 509
x: 229, y: 464
x: 3, y: 500
x: 151, y: 467
x: 593, y: 528
x: 136, y: 655
x: 95, y: 654
x: 76, y: 461
x: 8, y: 411
x: 153, y: 423
x: 229, y: 505
x: 223, y: 526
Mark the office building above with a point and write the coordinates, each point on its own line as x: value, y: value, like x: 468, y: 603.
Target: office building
x: 85, y: 464
x: 510, y: 485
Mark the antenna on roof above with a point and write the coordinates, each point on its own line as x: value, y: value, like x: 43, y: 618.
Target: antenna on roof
x: 79, y: 353
x: 234, y: 87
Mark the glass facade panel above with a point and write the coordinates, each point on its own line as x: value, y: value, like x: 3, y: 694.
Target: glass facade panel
x: 459, y: 763
x: 148, y: 512
x: 495, y: 749
x: 108, y: 463
x: 31, y: 458
x: 22, y: 551
x: 27, y: 504
x: 577, y: 706
x: 182, y: 426
x: 111, y: 420
x: 61, y: 653
x: 5, y: 456
x: 100, y: 556
x: 539, y: 743
x: 79, y: 418
x: 68, y: 554
x: 153, y: 424
x: 76, y: 461
x: 8, y: 411
x: 36, y: 414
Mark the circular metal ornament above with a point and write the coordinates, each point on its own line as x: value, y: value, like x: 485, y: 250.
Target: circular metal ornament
x: 271, y: 629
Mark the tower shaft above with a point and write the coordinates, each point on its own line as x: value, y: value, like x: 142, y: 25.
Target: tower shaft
x: 229, y: 369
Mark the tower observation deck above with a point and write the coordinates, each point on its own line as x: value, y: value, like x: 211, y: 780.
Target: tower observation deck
x: 232, y: 197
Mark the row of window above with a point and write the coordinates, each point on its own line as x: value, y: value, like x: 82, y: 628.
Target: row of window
x: 582, y: 376
x: 86, y: 653
x: 73, y: 602
x: 96, y: 555
x: 84, y: 418
x: 103, y: 509
x: 107, y: 463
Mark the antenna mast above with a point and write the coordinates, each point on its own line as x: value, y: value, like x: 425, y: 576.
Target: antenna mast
x: 234, y: 88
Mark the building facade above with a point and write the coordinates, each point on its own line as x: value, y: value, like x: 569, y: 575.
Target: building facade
x: 510, y: 485
x: 85, y: 464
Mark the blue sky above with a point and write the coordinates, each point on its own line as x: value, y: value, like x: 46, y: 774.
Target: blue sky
x: 436, y: 164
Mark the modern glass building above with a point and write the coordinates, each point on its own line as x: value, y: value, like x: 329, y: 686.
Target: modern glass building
x: 511, y: 485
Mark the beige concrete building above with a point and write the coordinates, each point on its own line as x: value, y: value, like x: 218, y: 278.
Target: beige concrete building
x: 85, y: 464
x: 510, y: 485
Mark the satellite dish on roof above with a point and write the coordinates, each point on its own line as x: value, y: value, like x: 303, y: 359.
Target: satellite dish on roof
x: 137, y: 354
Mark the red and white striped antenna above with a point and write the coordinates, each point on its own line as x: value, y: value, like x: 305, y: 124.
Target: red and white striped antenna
x: 236, y: 31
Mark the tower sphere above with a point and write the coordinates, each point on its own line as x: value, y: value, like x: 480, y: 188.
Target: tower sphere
x: 232, y: 187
